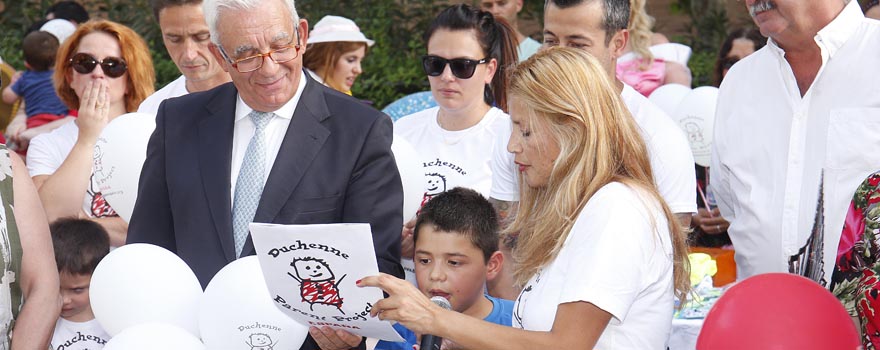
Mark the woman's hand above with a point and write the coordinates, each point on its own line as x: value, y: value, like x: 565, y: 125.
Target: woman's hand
x: 710, y: 222
x: 405, y: 304
x: 94, y: 106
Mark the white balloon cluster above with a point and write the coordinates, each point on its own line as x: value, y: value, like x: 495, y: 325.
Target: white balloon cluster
x: 694, y: 111
x: 146, y: 297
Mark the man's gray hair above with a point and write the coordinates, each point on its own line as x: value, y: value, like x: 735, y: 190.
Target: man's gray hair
x: 212, y: 9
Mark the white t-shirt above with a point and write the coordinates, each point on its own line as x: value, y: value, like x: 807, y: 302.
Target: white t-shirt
x: 71, y: 335
x: 47, y: 152
x: 618, y: 257
x: 173, y: 89
x: 672, y: 161
x: 455, y: 158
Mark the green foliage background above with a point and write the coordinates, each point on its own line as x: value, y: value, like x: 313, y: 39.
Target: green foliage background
x: 391, y: 68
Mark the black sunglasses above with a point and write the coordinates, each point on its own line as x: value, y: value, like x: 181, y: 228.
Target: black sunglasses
x: 462, y: 68
x: 729, y: 62
x: 84, y: 63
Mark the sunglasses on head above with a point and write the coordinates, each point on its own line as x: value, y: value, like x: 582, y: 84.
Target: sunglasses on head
x: 462, y: 68
x: 84, y: 63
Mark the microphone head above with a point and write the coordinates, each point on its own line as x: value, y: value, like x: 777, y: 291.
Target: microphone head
x: 441, y: 302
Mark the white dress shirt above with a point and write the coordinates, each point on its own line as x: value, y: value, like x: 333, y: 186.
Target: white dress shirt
x: 276, y: 129
x: 173, y: 89
x: 772, y: 145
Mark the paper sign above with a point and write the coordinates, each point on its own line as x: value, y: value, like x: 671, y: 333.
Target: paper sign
x: 311, y: 272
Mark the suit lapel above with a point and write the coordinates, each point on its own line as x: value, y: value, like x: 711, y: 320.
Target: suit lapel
x: 304, y: 138
x: 215, y: 154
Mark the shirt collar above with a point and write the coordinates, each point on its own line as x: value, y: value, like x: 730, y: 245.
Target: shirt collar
x: 286, y: 111
x: 834, y: 35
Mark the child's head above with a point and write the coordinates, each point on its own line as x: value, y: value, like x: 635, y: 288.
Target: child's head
x: 79, y: 244
x: 456, y: 247
x: 39, y: 50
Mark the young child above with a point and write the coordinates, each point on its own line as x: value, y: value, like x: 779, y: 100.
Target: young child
x: 80, y: 245
x: 456, y: 251
x: 41, y: 103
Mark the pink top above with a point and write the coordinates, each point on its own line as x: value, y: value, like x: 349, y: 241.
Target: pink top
x: 644, y: 81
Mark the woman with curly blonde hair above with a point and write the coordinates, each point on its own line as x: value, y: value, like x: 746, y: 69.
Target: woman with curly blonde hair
x: 651, y: 60
x: 103, y: 70
x: 599, y: 253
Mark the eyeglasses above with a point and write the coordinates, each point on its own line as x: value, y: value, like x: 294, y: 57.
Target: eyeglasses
x: 84, y: 63
x: 252, y: 63
x: 462, y: 68
x: 729, y: 62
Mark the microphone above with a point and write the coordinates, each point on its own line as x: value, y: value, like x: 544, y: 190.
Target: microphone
x: 433, y: 342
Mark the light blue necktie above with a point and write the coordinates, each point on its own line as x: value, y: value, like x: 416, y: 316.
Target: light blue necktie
x: 251, y: 179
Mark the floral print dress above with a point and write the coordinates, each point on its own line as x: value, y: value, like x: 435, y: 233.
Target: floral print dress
x: 855, y: 278
x: 10, y: 253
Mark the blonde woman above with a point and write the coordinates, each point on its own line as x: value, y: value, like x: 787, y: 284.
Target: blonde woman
x: 600, y: 255
x: 651, y: 60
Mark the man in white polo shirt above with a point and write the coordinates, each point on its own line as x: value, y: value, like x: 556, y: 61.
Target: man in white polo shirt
x: 186, y: 38
x: 599, y: 27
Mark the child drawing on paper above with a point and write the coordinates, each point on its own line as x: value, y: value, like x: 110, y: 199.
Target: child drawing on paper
x: 317, y: 283
x: 260, y: 341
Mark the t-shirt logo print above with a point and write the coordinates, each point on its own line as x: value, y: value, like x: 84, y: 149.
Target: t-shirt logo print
x: 436, y: 185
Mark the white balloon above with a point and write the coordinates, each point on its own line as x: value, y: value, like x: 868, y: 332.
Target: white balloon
x: 141, y: 283
x: 696, y: 116
x: 238, y: 312
x: 411, y: 175
x: 119, y: 156
x: 668, y: 96
x: 152, y: 336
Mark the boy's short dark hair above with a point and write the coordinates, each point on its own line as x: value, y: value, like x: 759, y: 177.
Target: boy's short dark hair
x: 79, y: 244
x: 464, y: 211
x: 39, y: 50
x: 69, y: 10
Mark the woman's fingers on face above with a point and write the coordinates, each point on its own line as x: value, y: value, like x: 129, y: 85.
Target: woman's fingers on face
x: 87, y: 93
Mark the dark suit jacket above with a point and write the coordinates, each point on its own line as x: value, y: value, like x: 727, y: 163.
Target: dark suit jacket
x: 335, y: 166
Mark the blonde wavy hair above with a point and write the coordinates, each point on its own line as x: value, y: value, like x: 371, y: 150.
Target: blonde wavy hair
x: 571, y: 100
x: 640, y: 25
x: 139, y: 78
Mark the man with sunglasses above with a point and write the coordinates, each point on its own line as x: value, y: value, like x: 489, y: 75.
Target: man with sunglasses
x: 599, y: 27
x: 186, y: 37
x: 274, y: 146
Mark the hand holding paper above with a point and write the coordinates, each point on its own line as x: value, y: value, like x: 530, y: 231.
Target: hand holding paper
x: 311, y: 272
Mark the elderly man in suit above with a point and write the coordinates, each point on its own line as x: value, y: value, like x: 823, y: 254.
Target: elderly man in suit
x: 273, y: 146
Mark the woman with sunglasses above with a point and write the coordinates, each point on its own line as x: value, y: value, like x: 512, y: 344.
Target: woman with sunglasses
x: 739, y: 43
x: 468, y: 53
x: 600, y: 255
x: 334, y: 53
x: 709, y: 228
x: 103, y: 70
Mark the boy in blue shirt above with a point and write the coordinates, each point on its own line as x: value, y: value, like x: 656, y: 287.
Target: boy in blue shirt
x: 41, y: 103
x: 456, y: 250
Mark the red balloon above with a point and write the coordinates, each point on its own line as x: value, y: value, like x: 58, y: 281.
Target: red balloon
x: 778, y: 311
